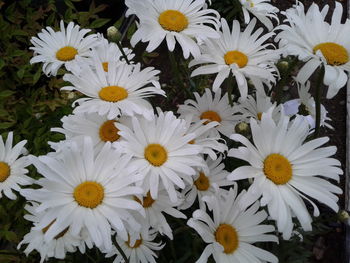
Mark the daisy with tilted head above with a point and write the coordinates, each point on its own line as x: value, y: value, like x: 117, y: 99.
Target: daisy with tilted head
x: 211, y: 109
x: 175, y: 21
x: 142, y: 250
x: 161, y: 151
x: 106, y: 52
x: 84, y: 190
x: 306, y: 107
x: 231, y: 231
x: 318, y: 43
x: 286, y: 169
x: 262, y: 10
x: 62, y: 243
x: 12, y: 168
x: 99, y: 128
x: 63, y: 47
x: 156, y: 209
x: 242, y: 54
x: 201, y: 128
x: 207, y: 181
x: 121, y: 90
x: 255, y: 107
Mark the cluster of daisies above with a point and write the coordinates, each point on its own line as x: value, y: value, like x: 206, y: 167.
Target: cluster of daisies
x: 126, y: 167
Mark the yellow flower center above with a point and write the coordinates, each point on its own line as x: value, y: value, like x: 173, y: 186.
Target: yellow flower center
x: 334, y: 53
x: 147, y: 200
x: 227, y: 236
x: 59, y: 235
x: 277, y: 168
x: 105, y: 66
x: 237, y: 57
x: 66, y: 53
x: 210, y: 116
x: 113, y: 93
x: 173, y: 20
x: 202, y: 183
x: 4, y: 171
x: 156, y: 154
x: 259, y: 115
x: 108, y: 132
x: 89, y: 194
x: 138, y: 243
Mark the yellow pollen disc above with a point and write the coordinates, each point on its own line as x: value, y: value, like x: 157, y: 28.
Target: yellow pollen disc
x: 138, y: 243
x: 156, y: 154
x: 334, y: 53
x: 237, y: 57
x: 66, y: 53
x: 108, y: 132
x: 147, y: 200
x: 192, y: 142
x: 113, y: 93
x: 277, y: 168
x: 4, y: 171
x: 259, y: 115
x: 59, y: 235
x: 227, y: 236
x: 202, y: 183
x: 89, y: 194
x: 210, y: 116
x: 105, y: 66
x: 173, y: 20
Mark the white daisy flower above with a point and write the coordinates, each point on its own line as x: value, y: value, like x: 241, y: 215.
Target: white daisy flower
x: 210, y: 144
x: 156, y: 208
x: 161, y: 152
x: 13, y: 169
x: 318, y: 43
x: 63, y: 47
x: 62, y: 243
x: 286, y: 169
x: 174, y: 20
x: 262, y: 10
x: 140, y: 251
x: 206, y: 182
x: 241, y: 53
x: 121, y: 90
x: 231, y: 231
x: 306, y: 107
x: 99, y: 128
x: 82, y: 191
x: 255, y: 107
x: 212, y: 109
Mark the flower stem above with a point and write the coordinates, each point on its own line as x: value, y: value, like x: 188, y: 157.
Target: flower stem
x: 115, y: 243
x: 318, y: 101
x: 122, y: 51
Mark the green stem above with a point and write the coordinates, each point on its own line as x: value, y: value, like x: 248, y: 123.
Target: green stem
x: 318, y: 101
x: 122, y: 51
x: 115, y: 243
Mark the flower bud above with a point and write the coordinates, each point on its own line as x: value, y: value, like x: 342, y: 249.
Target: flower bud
x: 113, y: 34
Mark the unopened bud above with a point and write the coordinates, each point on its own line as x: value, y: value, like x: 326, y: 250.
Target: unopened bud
x: 343, y: 215
x: 283, y: 65
x: 113, y: 34
x: 243, y: 128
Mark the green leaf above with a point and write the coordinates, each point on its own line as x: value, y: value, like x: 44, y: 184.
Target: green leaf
x: 6, y: 93
x: 6, y: 125
x: 69, y: 4
x: 99, y: 22
x: 20, y: 73
x: 2, y: 63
